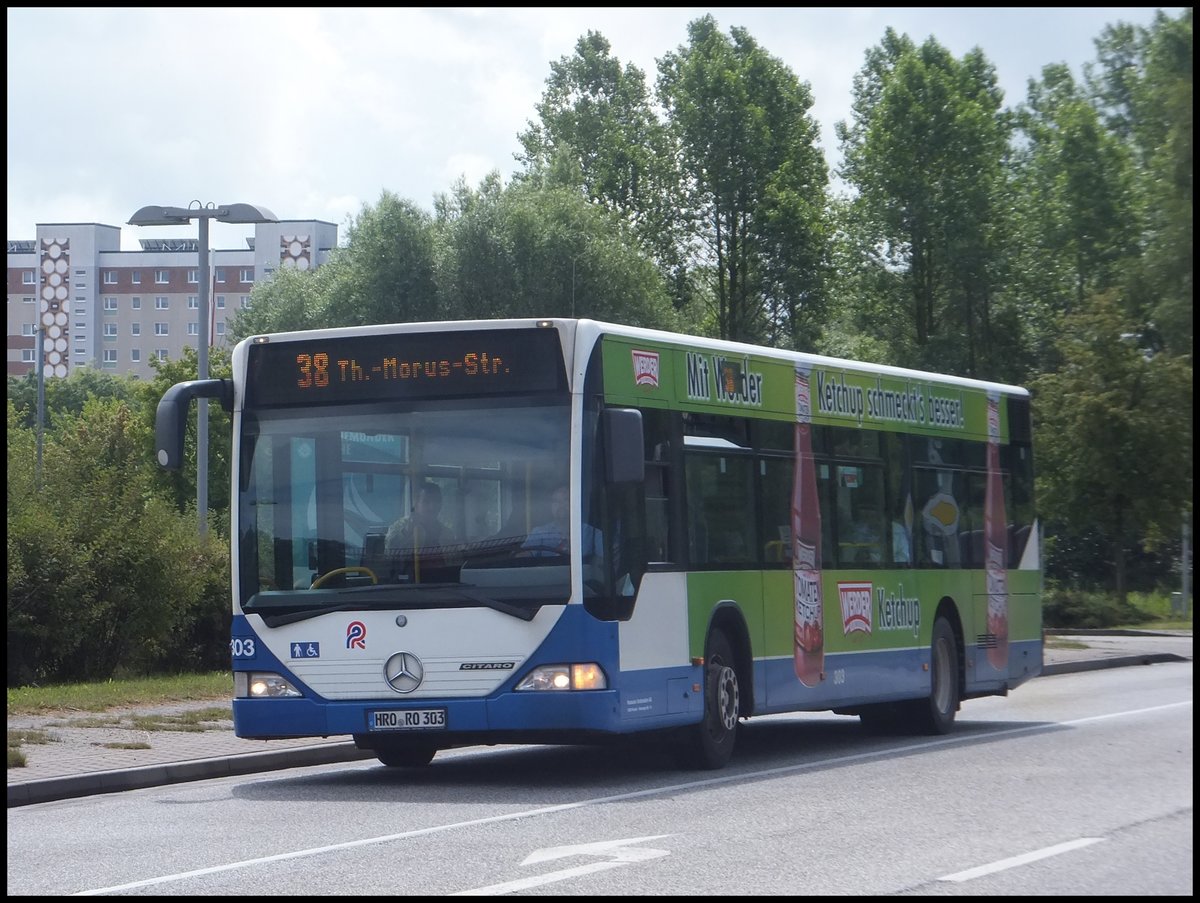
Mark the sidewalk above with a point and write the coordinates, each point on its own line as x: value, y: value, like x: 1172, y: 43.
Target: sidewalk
x: 82, y: 758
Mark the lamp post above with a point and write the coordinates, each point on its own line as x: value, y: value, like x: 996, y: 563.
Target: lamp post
x: 203, y: 213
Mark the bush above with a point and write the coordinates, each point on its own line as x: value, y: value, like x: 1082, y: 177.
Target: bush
x: 105, y: 575
x: 1064, y: 607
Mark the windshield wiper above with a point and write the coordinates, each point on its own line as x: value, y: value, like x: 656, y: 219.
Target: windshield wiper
x: 289, y: 614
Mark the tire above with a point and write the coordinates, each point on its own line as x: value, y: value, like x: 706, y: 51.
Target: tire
x: 935, y: 715
x: 709, y: 744
x: 406, y: 756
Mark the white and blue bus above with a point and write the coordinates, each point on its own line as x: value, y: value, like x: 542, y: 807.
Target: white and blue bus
x: 750, y: 531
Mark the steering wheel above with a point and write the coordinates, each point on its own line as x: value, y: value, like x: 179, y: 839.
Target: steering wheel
x: 350, y: 570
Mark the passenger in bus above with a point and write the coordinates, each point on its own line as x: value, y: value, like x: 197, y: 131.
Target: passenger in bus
x: 554, y: 536
x: 423, y: 529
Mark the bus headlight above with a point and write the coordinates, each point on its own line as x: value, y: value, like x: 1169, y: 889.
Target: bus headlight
x: 261, y: 685
x: 582, y: 676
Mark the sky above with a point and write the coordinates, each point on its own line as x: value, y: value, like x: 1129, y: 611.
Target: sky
x: 314, y: 113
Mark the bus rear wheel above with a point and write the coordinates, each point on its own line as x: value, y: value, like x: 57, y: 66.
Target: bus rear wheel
x: 709, y: 744
x: 935, y: 714
x: 406, y: 756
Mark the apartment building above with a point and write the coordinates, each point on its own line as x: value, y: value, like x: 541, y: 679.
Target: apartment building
x: 117, y: 310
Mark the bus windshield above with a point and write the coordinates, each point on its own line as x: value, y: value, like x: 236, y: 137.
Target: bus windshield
x: 392, y: 506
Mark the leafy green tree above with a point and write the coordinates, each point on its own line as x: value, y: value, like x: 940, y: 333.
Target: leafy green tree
x: 1113, y: 437
x: 530, y: 249
x: 923, y: 152
x: 383, y: 274
x: 1142, y: 83
x: 292, y: 300
x: 67, y: 395
x: 597, y: 130
x: 1073, y: 196
x: 754, y: 184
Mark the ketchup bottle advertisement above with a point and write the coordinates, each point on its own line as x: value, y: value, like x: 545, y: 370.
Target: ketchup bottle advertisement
x: 806, y: 543
x: 995, y: 538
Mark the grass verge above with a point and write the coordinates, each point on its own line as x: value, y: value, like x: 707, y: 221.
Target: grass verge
x: 114, y: 694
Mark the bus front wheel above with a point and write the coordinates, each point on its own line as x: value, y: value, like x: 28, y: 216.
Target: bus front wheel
x: 709, y: 744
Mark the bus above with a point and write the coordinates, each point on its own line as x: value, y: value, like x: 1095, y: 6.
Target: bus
x: 748, y: 531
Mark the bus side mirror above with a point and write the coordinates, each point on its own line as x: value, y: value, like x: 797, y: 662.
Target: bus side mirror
x: 624, y: 448
x: 170, y: 418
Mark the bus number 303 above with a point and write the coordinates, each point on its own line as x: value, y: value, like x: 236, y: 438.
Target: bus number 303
x: 407, y: 720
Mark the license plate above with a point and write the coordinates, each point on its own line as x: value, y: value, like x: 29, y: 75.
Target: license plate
x: 407, y: 720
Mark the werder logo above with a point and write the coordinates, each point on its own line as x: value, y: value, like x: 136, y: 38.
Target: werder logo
x: 645, y: 368
x: 855, y: 599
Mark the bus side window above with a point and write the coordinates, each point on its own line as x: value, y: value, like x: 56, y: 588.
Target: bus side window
x: 860, y: 515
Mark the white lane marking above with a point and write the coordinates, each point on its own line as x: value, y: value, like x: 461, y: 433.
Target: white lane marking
x: 619, y: 850
x: 620, y: 797
x: 1023, y: 859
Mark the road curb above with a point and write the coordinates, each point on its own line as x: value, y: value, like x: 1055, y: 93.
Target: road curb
x: 1117, y: 661
x: 71, y: 786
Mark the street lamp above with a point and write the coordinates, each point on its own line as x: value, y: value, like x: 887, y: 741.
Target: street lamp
x: 175, y: 216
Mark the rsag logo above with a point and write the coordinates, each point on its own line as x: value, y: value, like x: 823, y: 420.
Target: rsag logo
x: 855, y: 599
x: 356, y: 635
x: 645, y: 368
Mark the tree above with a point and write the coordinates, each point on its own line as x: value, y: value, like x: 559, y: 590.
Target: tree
x: 532, y: 250
x: 754, y: 184
x: 924, y: 152
x: 1113, y: 437
x: 66, y: 396
x: 1142, y: 84
x: 597, y: 130
x: 1073, y: 203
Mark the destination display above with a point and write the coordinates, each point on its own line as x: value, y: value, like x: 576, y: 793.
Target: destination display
x: 417, y: 365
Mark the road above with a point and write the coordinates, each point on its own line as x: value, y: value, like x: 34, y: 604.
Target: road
x: 1074, y: 784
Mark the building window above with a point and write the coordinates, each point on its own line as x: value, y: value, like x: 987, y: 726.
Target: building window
x: 110, y: 277
x: 160, y: 329
x: 162, y: 277
x: 26, y: 355
x: 110, y: 303
x: 135, y: 328
x: 220, y: 302
x: 193, y: 329
x: 193, y: 302
x: 28, y: 329
x: 135, y: 302
x: 161, y: 302
x: 135, y: 355
x: 135, y: 276
x: 110, y: 356
x: 221, y: 327
x: 244, y: 300
x: 160, y: 353
x: 110, y: 330
x: 193, y: 277
x: 247, y: 274
x: 220, y: 271
x: 28, y: 299
x: 27, y: 278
